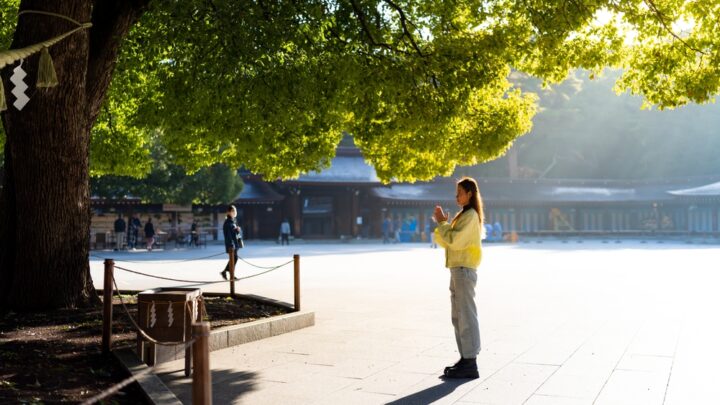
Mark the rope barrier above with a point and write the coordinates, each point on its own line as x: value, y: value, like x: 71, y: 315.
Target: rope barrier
x: 117, y: 387
x: 204, y: 314
x: 236, y: 279
x: 164, y: 261
x: 185, y: 260
x: 254, y: 265
x: 201, y: 282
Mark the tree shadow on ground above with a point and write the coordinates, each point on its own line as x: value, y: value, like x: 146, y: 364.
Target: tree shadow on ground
x: 431, y: 394
x: 227, y: 385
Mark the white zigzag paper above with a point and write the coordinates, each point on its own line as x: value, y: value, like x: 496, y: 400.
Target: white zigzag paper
x: 19, y: 90
x: 153, y: 315
x: 170, y: 314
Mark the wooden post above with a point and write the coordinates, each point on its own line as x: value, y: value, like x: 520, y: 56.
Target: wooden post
x: 296, y: 260
x: 201, y: 384
x: 231, y: 253
x: 107, y: 306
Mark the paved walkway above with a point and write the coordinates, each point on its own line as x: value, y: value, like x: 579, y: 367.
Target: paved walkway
x: 561, y: 324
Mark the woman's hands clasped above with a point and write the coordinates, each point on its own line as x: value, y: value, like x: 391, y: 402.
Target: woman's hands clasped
x: 439, y: 215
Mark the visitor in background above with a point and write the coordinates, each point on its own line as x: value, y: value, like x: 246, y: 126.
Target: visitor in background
x: 285, y: 232
x: 232, y: 234
x: 194, y: 235
x: 397, y: 227
x: 433, y: 226
x: 386, y: 229
x: 149, y: 234
x: 133, y: 226
x: 119, y: 232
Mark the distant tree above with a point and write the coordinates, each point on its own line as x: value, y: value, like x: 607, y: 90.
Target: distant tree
x: 422, y: 85
x: 213, y: 185
x: 583, y: 130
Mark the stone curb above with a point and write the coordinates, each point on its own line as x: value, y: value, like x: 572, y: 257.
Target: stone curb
x: 234, y: 335
x: 155, y: 390
x: 158, y: 393
x: 262, y: 328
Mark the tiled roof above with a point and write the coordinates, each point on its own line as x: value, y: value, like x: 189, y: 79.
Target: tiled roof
x: 344, y: 169
x: 257, y: 192
x: 534, y: 191
x: 707, y: 190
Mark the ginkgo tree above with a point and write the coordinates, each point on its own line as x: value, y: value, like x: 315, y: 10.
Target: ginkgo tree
x: 423, y: 86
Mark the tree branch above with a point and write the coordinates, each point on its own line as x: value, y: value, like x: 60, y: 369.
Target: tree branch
x: 112, y: 20
x: 361, y: 16
x: 661, y: 18
x: 404, y: 21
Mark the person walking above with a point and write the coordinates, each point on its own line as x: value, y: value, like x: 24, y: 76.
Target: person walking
x: 433, y: 242
x: 119, y: 226
x: 149, y: 234
x: 285, y: 232
x: 132, y: 231
x: 232, y: 233
x: 194, y: 235
x: 386, y: 229
x: 463, y: 252
x: 397, y: 226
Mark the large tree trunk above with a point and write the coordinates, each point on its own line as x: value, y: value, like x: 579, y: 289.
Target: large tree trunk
x: 45, y: 217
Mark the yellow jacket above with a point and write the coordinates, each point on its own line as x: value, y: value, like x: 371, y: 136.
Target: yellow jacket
x: 461, y: 240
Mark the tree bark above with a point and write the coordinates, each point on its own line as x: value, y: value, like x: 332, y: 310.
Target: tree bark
x: 45, y: 202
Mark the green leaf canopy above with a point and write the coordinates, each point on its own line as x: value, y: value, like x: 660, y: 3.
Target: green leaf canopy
x: 423, y: 86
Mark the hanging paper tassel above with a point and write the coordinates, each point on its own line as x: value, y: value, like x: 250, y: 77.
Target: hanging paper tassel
x: 46, y: 70
x: 3, y: 104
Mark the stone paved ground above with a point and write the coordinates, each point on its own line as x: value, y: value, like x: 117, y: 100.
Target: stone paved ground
x: 561, y: 324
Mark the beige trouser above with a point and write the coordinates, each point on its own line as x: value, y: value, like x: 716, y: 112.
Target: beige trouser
x: 119, y: 240
x: 464, y: 311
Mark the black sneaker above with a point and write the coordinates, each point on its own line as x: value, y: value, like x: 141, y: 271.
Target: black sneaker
x: 465, y: 368
x: 224, y: 275
x: 464, y: 372
x: 459, y: 362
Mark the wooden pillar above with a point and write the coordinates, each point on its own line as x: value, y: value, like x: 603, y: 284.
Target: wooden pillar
x: 231, y: 254
x: 296, y: 272
x: 354, y: 204
x: 107, y: 306
x: 201, y: 384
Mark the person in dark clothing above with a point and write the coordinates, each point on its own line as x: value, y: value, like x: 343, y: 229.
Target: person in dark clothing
x: 194, y: 234
x: 233, y: 239
x: 119, y: 232
x: 133, y: 230
x: 386, y: 229
x: 149, y: 234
